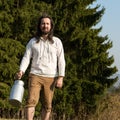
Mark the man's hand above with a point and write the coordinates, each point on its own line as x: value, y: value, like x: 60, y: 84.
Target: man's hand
x: 59, y: 82
x: 19, y: 75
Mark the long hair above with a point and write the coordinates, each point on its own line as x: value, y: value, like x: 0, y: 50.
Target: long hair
x: 39, y: 32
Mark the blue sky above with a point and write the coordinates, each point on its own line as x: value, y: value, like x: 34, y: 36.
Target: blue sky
x: 111, y: 26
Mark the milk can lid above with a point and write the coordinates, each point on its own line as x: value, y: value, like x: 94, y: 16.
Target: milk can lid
x: 20, y: 82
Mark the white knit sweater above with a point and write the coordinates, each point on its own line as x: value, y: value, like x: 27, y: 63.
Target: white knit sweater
x: 47, y: 58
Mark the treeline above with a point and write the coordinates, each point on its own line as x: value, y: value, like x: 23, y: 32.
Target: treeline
x: 88, y: 63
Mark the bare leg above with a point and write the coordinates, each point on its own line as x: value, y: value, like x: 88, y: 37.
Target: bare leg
x: 45, y: 115
x: 30, y: 113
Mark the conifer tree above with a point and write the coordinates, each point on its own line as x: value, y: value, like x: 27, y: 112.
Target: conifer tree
x: 9, y: 52
x: 18, y: 21
x: 88, y: 75
x: 88, y: 64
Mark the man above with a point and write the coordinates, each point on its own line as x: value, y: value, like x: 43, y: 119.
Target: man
x: 46, y: 54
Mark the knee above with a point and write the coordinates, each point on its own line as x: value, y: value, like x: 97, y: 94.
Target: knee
x: 31, y: 103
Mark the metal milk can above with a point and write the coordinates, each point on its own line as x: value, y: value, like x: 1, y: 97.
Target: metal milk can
x: 16, y: 93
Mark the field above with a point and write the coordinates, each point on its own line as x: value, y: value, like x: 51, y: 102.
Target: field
x: 108, y: 109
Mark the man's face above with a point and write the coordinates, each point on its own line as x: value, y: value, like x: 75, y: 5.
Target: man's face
x: 45, y: 25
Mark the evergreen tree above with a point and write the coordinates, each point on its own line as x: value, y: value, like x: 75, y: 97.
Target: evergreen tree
x: 18, y: 21
x: 88, y: 64
x: 89, y: 71
x: 9, y: 52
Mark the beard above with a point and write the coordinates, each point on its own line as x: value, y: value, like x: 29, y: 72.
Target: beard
x: 45, y: 33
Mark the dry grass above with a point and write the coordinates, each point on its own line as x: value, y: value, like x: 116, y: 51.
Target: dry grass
x: 109, y: 108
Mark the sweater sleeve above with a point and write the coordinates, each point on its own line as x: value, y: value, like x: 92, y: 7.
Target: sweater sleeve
x: 61, y: 59
x: 27, y: 56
